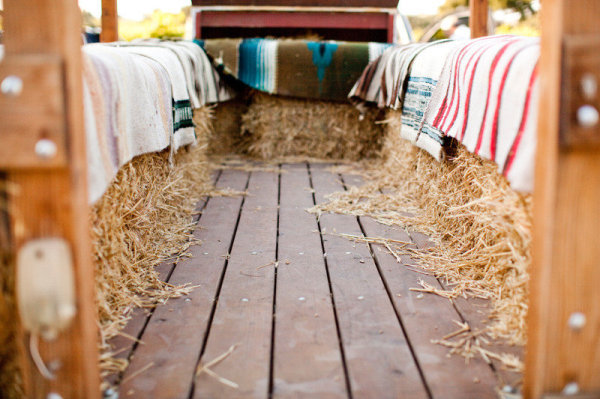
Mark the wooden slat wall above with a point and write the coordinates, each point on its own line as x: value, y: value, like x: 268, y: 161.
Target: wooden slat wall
x: 478, y: 20
x: 53, y: 202
x: 110, y: 21
x: 565, y: 273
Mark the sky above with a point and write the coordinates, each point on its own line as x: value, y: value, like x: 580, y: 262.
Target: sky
x: 137, y: 9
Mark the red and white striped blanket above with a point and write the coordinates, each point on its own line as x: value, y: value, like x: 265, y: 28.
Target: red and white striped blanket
x: 487, y: 98
x: 481, y: 92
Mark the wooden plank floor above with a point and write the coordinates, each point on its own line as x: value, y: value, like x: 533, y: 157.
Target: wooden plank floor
x: 284, y: 308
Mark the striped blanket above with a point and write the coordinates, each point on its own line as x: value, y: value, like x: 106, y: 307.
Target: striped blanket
x: 296, y: 68
x: 481, y: 92
x: 404, y: 77
x: 138, y: 99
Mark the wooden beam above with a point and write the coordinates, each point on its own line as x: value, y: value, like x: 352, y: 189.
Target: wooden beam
x: 565, y: 274
x: 478, y: 20
x: 110, y: 21
x: 52, y: 202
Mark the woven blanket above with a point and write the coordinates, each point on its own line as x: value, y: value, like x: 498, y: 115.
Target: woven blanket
x: 481, y: 92
x: 487, y: 99
x: 404, y: 77
x: 296, y: 68
x: 128, y: 111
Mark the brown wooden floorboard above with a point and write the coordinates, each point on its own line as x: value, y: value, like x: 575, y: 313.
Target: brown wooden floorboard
x: 173, y: 337
x: 243, y: 316
x: 425, y: 318
x: 307, y: 360
x: 378, y: 357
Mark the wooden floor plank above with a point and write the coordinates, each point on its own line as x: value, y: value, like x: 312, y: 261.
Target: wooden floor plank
x: 174, y: 335
x: 307, y: 357
x: 243, y: 317
x: 378, y: 357
x: 426, y: 318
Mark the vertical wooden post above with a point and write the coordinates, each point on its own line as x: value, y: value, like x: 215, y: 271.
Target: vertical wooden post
x: 110, y: 21
x: 478, y: 20
x: 52, y: 201
x: 564, y: 312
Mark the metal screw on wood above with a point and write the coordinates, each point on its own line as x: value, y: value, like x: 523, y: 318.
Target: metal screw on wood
x: 54, y: 395
x: 589, y: 86
x: 587, y: 116
x: 572, y: 388
x: 45, y: 148
x: 11, y: 86
x: 577, y: 321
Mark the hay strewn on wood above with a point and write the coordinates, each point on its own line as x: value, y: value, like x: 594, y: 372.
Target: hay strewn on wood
x: 281, y: 126
x: 481, y: 226
x: 145, y: 217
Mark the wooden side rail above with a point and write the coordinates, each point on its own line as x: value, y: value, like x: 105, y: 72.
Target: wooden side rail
x: 563, y: 352
x: 43, y: 139
x: 478, y: 19
x: 110, y: 21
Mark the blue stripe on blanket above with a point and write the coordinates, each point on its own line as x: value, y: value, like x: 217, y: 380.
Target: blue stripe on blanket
x: 256, y: 63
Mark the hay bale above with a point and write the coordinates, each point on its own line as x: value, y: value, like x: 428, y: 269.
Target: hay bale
x: 280, y: 127
x: 227, y: 137
x: 144, y: 218
x: 481, y: 226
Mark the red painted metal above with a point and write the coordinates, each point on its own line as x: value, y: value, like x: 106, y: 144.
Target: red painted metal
x: 273, y: 19
x: 296, y: 3
x: 390, y: 28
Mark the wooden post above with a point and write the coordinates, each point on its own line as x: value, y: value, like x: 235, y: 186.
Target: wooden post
x: 564, y: 313
x: 478, y: 20
x: 50, y: 200
x: 110, y: 21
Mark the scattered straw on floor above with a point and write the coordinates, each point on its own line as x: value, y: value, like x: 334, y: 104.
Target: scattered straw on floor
x: 280, y: 126
x: 481, y: 226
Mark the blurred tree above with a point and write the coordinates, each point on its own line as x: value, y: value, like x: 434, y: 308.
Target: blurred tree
x: 165, y: 25
x: 523, y: 7
x: 87, y: 19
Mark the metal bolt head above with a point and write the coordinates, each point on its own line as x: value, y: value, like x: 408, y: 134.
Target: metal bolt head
x: 589, y: 86
x: 572, y: 388
x: 577, y: 321
x: 45, y: 148
x: 587, y: 116
x: 53, y: 395
x: 11, y: 86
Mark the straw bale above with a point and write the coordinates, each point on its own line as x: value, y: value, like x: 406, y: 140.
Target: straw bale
x: 279, y: 127
x: 481, y: 226
x: 145, y: 218
x: 227, y: 137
